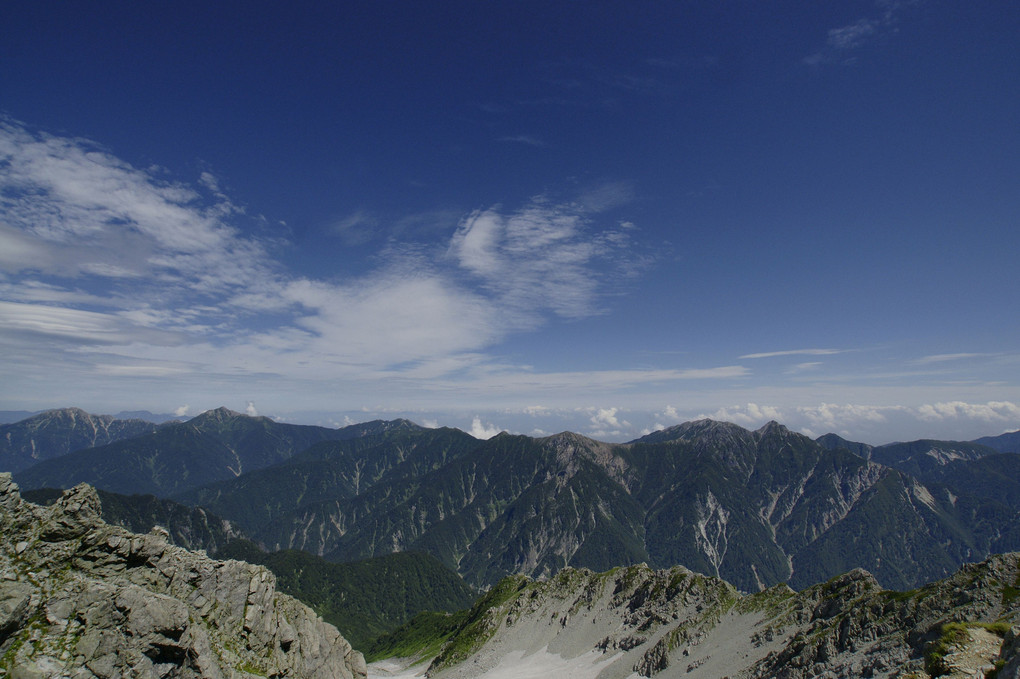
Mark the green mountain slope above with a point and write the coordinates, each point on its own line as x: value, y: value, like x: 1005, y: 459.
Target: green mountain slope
x: 330, y: 471
x: 673, y: 623
x: 363, y: 599
x: 754, y: 507
x: 833, y: 441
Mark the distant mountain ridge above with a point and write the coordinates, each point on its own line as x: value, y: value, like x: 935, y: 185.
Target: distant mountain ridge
x: 177, y: 456
x: 754, y: 507
x: 1004, y: 443
x: 55, y: 433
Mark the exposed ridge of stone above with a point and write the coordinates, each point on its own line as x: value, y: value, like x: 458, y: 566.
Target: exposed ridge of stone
x: 82, y: 599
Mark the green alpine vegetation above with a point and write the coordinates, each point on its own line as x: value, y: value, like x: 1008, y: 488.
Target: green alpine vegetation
x: 363, y: 599
x: 423, y: 636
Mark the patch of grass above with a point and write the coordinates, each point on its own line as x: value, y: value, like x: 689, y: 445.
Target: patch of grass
x: 892, y: 595
x: 423, y: 636
x: 770, y: 601
x: 954, y: 634
x: 1010, y: 593
x: 481, y: 622
x: 994, y: 672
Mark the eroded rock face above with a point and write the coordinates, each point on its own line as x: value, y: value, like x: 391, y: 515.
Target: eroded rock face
x: 83, y: 599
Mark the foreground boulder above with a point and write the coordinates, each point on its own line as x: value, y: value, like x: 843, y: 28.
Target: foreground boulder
x: 82, y: 599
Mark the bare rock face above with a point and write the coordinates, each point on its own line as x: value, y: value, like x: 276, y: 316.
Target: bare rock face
x: 86, y: 600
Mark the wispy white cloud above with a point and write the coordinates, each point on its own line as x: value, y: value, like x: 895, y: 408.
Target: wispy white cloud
x: 538, y: 383
x: 795, y: 352
x: 356, y: 228
x: 111, y: 271
x: 62, y: 323
x: 543, y: 257
x: 852, y: 35
x: 943, y: 358
x: 843, y: 42
x: 803, y: 367
x: 526, y: 139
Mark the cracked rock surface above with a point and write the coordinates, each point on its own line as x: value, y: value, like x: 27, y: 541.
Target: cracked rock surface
x: 85, y: 600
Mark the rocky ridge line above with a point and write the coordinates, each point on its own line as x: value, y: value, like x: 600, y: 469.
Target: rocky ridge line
x: 676, y: 623
x: 85, y: 600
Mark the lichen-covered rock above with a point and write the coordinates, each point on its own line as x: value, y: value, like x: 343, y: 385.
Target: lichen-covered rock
x: 86, y: 600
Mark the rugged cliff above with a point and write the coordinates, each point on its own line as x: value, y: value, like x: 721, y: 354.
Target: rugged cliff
x: 83, y: 599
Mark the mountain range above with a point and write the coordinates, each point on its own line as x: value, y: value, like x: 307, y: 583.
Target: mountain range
x: 753, y: 507
x: 169, y: 458
x: 82, y: 598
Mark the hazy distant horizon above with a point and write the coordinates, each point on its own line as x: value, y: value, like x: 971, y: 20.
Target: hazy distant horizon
x: 910, y: 425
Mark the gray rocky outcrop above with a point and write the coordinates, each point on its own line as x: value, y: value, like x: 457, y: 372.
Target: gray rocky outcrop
x: 86, y: 600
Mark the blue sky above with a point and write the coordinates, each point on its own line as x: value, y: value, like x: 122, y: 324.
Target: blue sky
x: 607, y: 217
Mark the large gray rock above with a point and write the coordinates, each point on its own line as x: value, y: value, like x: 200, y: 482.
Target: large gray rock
x: 86, y: 600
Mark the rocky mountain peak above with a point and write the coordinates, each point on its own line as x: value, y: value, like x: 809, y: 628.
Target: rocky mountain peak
x: 705, y: 430
x: 833, y: 441
x: 772, y: 428
x: 221, y: 414
x: 571, y: 447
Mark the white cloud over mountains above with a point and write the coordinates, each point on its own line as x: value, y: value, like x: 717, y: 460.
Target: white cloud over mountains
x: 119, y: 287
x: 107, y: 269
x: 875, y: 424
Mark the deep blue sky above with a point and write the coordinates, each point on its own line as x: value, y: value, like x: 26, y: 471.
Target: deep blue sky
x: 599, y: 216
